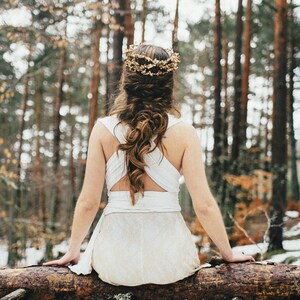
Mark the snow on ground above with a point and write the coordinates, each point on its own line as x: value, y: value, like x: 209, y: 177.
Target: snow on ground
x: 253, y: 248
x: 33, y: 255
x: 292, y: 214
x: 293, y: 231
x: 291, y: 245
x: 3, y: 254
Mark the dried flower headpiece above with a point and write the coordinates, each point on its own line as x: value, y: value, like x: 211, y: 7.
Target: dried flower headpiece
x: 139, y: 62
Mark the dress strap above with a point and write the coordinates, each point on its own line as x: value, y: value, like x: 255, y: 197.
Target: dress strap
x: 113, y: 124
x: 171, y: 121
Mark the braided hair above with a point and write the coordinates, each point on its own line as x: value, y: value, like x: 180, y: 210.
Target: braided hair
x: 143, y: 104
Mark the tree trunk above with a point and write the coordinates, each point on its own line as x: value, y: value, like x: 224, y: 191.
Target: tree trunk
x: 225, y: 281
x: 246, y: 73
x: 292, y: 65
x: 225, y: 124
x: 217, y: 150
x: 57, y: 119
x: 235, y: 147
x: 95, y: 77
x: 237, y: 87
x: 268, y: 103
x: 107, y: 87
x: 106, y: 105
x: 144, y: 17
x: 118, y: 37
x: 22, y: 127
x: 71, y: 160
x: 15, y: 206
x: 39, y: 171
x: 175, y: 30
x: 55, y: 204
x: 128, y: 23
x: 279, y: 143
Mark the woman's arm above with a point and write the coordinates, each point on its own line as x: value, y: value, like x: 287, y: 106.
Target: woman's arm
x: 89, y: 199
x: 205, y: 206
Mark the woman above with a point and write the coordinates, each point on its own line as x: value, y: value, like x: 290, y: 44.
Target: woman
x: 141, y: 150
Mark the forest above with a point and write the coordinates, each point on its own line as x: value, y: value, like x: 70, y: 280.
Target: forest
x: 238, y: 84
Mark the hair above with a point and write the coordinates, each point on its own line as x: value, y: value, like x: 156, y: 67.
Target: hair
x: 143, y: 103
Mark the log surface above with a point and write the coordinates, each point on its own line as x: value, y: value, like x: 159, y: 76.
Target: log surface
x: 225, y: 281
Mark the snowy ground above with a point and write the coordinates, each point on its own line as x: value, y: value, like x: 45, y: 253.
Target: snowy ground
x: 291, y: 246
x: 291, y: 243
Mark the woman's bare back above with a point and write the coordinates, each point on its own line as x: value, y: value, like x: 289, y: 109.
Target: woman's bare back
x: 174, y: 142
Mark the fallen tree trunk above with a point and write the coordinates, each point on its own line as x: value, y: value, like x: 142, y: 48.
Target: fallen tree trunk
x: 224, y: 281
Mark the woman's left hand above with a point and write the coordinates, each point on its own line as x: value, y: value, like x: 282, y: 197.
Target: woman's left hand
x: 70, y: 256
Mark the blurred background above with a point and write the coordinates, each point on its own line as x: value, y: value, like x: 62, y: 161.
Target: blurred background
x: 238, y: 83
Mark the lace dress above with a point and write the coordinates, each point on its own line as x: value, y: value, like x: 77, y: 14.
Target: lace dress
x: 148, y: 242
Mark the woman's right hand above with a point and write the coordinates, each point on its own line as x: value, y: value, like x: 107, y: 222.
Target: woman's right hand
x: 237, y: 256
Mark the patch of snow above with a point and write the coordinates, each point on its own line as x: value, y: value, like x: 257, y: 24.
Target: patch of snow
x: 292, y: 214
x: 293, y: 231
x: 3, y: 255
x: 296, y: 263
x: 196, y: 238
x: 60, y: 248
x: 279, y: 258
x: 288, y: 245
x: 32, y: 257
x: 291, y: 245
x: 205, y: 248
x: 252, y: 249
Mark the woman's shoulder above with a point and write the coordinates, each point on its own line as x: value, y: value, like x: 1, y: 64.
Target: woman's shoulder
x: 108, y: 119
x: 183, y: 132
x: 181, y: 123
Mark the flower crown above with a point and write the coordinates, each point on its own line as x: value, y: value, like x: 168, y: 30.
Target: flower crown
x: 139, y: 62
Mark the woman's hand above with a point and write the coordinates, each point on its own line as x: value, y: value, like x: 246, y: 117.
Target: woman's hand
x: 237, y: 256
x: 70, y: 256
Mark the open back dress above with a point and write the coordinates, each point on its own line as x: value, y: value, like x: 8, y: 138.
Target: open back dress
x: 147, y: 242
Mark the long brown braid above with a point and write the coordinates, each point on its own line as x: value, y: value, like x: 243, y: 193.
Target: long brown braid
x: 143, y: 103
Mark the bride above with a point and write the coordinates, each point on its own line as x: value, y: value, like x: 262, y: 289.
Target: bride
x: 140, y: 150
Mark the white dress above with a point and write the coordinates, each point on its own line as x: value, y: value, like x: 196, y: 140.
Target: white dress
x: 148, y: 242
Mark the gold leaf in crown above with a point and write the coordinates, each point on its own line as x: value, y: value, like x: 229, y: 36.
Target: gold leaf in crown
x: 133, y: 62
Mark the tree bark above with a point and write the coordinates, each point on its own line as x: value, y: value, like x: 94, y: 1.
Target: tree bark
x: 144, y: 16
x: 95, y: 77
x: 175, y: 30
x: 39, y: 170
x: 22, y: 127
x: 228, y: 192
x: 118, y: 37
x: 279, y: 141
x: 15, y: 206
x: 295, y: 192
x: 57, y: 136
x: 72, y: 168
x: 217, y: 150
x: 129, y: 23
x: 237, y: 86
x: 225, y: 125
x: 224, y: 281
x: 246, y: 73
x: 107, y: 87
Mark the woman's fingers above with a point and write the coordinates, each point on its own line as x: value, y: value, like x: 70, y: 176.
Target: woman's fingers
x: 62, y: 261
x: 248, y: 257
x: 251, y: 258
x: 52, y: 262
x: 240, y: 256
